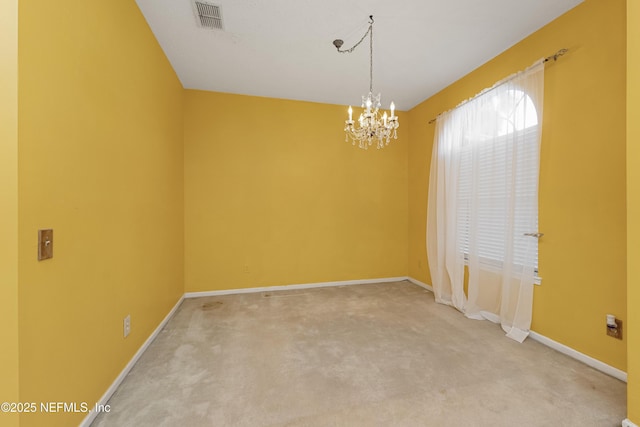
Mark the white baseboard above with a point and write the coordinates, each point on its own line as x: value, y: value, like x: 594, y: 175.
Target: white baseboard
x: 588, y: 360
x: 292, y: 287
x: 86, y: 422
x: 628, y: 423
x: 421, y: 284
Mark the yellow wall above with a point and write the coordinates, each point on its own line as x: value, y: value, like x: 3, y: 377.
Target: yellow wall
x: 275, y: 196
x: 100, y: 162
x: 582, y: 176
x: 9, y: 207
x: 633, y: 211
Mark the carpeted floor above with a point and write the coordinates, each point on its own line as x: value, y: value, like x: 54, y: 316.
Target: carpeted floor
x: 363, y: 355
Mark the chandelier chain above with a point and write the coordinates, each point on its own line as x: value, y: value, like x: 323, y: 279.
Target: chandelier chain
x: 370, y: 34
x: 370, y: 30
x: 371, y: 56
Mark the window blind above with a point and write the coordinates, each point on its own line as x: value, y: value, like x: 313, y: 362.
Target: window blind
x: 496, y: 189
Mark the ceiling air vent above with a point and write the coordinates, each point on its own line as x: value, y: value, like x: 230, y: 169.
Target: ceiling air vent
x: 208, y: 15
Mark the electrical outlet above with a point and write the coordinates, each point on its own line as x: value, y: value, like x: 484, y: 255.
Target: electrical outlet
x: 127, y: 325
x: 616, y: 331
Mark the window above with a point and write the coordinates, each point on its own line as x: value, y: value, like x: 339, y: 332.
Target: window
x: 499, y: 159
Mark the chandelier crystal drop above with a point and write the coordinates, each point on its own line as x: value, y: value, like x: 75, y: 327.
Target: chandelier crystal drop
x: 372, y: 125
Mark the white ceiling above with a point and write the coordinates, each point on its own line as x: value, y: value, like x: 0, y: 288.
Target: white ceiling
x: 283, y: 48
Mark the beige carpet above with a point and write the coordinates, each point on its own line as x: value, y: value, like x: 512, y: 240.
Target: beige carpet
x: 364, y: 355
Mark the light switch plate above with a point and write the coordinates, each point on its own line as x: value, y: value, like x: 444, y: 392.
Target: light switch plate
x: 45, y: 244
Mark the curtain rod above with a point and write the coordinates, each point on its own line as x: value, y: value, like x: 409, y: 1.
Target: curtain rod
x: 553, y: 57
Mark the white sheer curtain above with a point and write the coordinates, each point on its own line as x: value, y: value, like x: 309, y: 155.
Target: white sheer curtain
x: 483, y: 199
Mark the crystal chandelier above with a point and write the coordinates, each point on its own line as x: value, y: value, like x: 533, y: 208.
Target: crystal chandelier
x: 371, y: 126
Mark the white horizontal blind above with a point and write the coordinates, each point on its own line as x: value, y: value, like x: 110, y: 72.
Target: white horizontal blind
x: 496, y: 187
